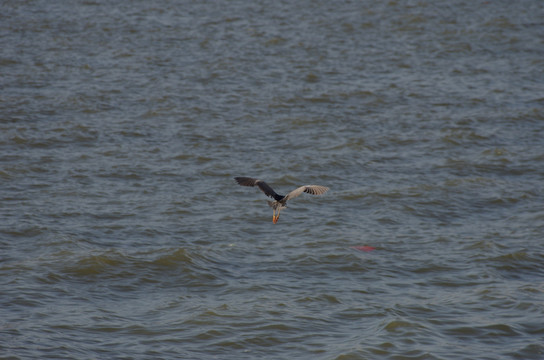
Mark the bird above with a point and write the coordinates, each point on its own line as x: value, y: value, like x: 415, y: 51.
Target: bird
x: 279, y: 200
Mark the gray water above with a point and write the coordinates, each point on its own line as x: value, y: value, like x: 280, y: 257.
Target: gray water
x: 124, y: 236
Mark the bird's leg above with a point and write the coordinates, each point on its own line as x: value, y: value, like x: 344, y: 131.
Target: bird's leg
x: 277, y: 215
x: 274, y: 216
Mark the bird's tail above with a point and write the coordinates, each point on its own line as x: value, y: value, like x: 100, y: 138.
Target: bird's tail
x: 276, y: 205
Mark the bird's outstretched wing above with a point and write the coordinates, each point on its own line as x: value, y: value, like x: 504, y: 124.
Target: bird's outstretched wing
x: 246, y: 181
x: 310, y: 189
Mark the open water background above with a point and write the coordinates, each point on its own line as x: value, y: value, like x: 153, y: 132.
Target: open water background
x: 124, y: 236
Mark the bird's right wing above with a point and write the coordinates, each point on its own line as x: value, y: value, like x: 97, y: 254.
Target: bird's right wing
x: 265, y: 188
x: 310, y: 189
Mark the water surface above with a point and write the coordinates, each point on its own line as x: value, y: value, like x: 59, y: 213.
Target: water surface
x: 124, y: 236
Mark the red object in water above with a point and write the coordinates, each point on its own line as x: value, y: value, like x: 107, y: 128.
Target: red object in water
x: 364, y: 248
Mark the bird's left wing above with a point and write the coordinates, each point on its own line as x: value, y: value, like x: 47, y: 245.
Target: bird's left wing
x: 246, y: 181
x: 310, y: 189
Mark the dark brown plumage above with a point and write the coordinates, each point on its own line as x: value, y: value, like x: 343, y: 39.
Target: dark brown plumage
x: 280, y: 200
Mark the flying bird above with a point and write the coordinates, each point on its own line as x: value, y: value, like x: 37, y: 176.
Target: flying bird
x: 279, y: 200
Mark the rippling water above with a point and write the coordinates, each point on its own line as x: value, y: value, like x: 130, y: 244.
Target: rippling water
x: 124, y: 235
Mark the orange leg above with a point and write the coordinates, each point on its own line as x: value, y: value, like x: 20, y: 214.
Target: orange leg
x: 275, y: 216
